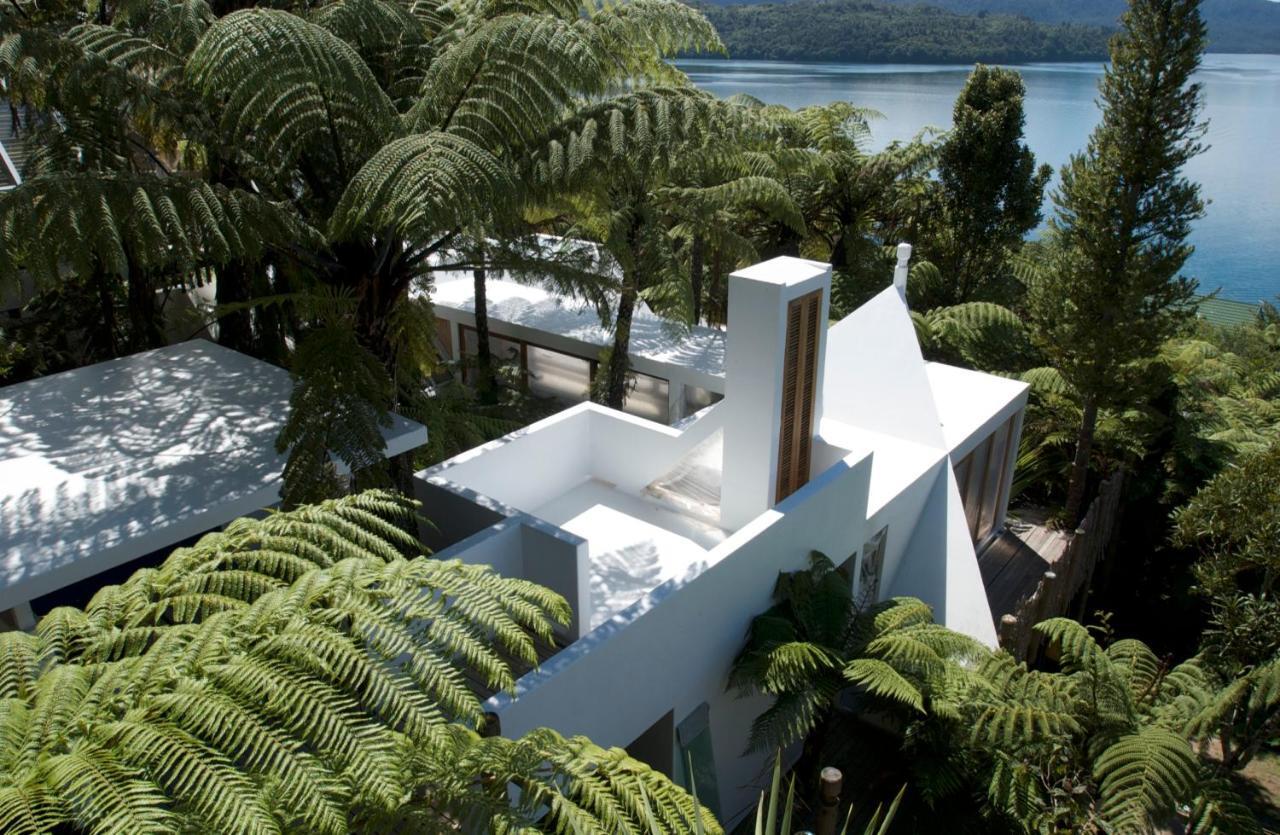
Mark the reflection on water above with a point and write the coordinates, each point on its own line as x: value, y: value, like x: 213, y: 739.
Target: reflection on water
x: 1237, y: 243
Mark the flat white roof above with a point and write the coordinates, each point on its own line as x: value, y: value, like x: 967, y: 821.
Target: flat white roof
x: 634, y: 546
x: 700, y: 349
x: 968, y: 400
x: 112, y: 461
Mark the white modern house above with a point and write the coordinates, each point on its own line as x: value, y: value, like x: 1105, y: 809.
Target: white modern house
x: 113, y: 462
x: 556, y: 342
x: 668, y: 539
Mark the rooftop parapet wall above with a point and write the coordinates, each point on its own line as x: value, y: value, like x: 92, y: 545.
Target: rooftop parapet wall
x: 671, y: 650
x: 532, y: 466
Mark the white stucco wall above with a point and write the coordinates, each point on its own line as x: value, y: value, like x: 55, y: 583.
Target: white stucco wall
x: 875, y: 374
x: 672, y: 650
x: 755, y: 354
x: 530, y: 467
x: 938, y: 564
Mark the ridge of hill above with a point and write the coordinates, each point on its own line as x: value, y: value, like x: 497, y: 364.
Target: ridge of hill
x: 1234, y: 25
x: 864, y: 32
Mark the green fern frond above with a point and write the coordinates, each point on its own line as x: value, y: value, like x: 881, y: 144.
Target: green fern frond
x: 288, y: 88
x: 1143, y: 776
x: 1218, y: 810
x: 881, y: 679
x: 1078, y: 649
x: 421, y: 185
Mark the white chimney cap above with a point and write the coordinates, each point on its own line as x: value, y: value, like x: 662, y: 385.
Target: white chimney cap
x: 900, y: 272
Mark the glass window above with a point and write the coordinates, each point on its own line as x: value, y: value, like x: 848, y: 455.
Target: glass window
x: 697, y: 766
x: 697, y: 398
x: 868, y: 586
x: 444, y: 337
x: 962, y: 473
x: 993, y: 484
x: 502, y: 350
x: 981, y: 476
x: 972, y: 491
x: 648, y: 399
x: 562, y: 376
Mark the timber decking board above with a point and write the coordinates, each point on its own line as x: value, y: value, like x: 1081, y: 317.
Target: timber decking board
x: 1014, y: 562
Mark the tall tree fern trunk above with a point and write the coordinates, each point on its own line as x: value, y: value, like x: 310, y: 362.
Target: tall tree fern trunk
x: 486, y: 380
x: 1080, y: 464
x: 104, y: 289
x: 235, y: 329
x: 145, y: 326
x: 696, y: 271
x: 718, y: 309
x: 615, y: 381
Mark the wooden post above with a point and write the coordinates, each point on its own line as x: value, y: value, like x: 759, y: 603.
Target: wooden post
x: 830, y: 781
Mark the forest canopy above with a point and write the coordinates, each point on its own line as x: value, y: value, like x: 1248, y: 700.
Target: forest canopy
x: 847, y: 30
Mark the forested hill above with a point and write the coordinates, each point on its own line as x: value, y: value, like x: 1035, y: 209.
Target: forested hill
x: 853, y: 31
x: 1234, y: 25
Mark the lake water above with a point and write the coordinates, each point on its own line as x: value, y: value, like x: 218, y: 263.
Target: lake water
x: 1237, y: 242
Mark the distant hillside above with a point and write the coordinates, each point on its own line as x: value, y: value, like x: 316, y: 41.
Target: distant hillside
x: 1234, y: 25
x: 855, y: 31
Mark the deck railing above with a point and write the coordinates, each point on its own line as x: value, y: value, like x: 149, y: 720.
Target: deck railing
x: 1070, y: 574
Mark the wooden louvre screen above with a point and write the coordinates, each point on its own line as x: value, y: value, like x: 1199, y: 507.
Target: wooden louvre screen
x: 799, y: 388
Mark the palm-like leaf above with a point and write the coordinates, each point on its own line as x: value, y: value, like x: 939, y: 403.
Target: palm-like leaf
x: 322, y: 686
x: 288, y: 89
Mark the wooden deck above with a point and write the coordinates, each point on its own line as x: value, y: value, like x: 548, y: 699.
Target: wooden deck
x: 1013, y: 564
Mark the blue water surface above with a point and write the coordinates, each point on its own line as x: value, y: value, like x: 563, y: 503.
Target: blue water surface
x: 1237, y: 242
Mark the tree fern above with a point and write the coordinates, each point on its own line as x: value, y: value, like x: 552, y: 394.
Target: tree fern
x: 322, y: 685
x: 817, y: 643
x: 1219, y: 810
x: 1143, y: 775
x: 287, y: 88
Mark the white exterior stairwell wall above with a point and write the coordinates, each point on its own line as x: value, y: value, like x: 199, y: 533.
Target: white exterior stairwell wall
x: 672, y: 649
x: 754, y: 356
x: 875, y: 374
x: 939, y: 566
x: 876, y: 381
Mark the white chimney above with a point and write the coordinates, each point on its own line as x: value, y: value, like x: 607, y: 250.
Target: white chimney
x: 901, y: 271
x: 763, y: 381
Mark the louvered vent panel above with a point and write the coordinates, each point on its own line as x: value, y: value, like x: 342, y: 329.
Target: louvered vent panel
x: 799, y: 390
x: 809, y: 379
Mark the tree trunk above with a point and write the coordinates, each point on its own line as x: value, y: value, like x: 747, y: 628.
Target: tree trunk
x: 696, y: 270
x: 107, y: 309
x: 719, y: 313
x: 615, y: 383
x: 146, y: 329
x: 486, y: 381
x: 235, y: 329
x: 1080, y: 465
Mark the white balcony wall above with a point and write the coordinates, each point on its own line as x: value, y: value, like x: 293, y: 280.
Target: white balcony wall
x: 523, y: 546
x: 875, y: 375
x: 630, y: 452
x: 530, y: 467
x: 939, y: 565
x: 672, y: 649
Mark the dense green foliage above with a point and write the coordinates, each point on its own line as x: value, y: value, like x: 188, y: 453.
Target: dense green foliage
x: 1109, y: 290
x: 304, y: 672
x: 1234, y: 25
x: 989, y: 191
x: 318, y: 159
x: 322, y: 160
x: 1100, y: 745
x: 858, y: 31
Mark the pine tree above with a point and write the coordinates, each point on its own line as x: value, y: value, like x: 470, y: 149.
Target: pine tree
x: 990, y: 189
x: 1112, y: 291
